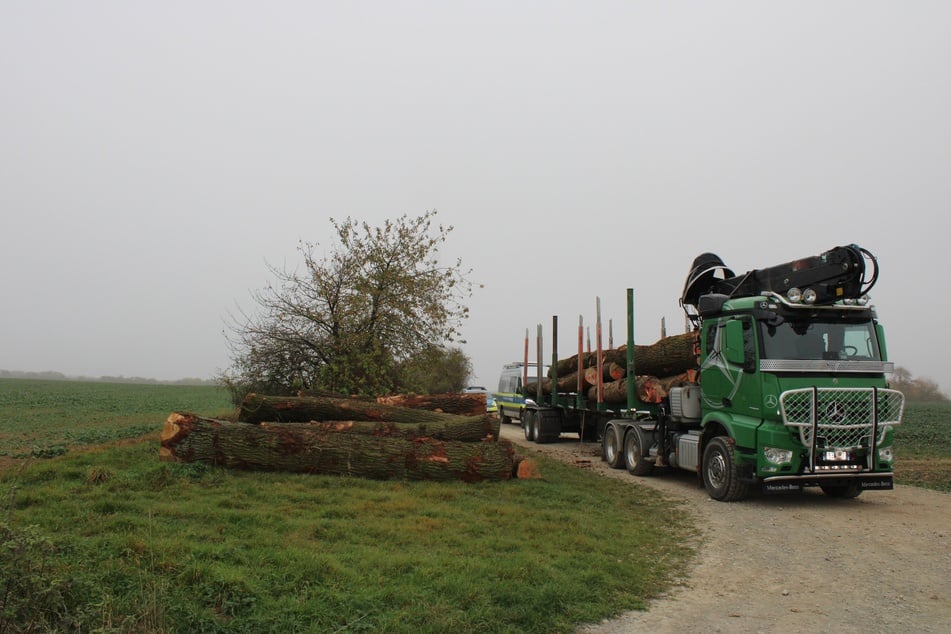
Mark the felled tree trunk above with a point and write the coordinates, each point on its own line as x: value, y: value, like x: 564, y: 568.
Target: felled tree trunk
x: 466, y: 429
x: 321, y: 450
x: 258, y: 408
x: 463, y: 404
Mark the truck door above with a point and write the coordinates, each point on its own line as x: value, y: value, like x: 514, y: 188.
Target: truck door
x: 728, y: 375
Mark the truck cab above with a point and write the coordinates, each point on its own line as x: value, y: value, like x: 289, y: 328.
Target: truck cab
x: 799, y: 391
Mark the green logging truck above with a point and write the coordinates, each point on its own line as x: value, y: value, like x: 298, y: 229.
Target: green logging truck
x: 787, y: 390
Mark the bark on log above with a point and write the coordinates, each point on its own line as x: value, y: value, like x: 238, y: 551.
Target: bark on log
x: 466, y: 429
x: 669, y: 356
x: 257, y: 408
x: 310, y: 449
x: 566, y: 384
x: 462, y: 404
x: 648, y: 389
x: 611, y: 371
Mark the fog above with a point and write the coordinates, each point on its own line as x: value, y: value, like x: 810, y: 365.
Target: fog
x: 156, y: 157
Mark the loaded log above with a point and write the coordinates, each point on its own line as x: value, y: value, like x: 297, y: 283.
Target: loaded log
x: 668, y: 356
x: 648, y: 389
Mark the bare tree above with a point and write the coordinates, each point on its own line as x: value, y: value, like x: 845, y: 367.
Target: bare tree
x: 352, y: 317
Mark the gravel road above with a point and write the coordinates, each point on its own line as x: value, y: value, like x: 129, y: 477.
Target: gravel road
x: 795, y: 563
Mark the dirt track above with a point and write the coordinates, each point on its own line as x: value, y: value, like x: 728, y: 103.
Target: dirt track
x: 796, y: 563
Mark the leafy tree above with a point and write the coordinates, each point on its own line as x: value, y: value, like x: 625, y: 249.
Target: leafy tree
x: 436, y: 370
x: 353, y: 319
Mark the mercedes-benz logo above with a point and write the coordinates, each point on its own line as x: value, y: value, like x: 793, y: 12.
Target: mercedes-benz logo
x: 835, y: 411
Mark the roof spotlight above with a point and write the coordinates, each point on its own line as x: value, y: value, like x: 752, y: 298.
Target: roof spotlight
x: 794, y: 295
x: 864, y: 299
x: 809, y: 296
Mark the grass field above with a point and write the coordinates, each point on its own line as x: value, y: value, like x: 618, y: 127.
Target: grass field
x: 107, y: 538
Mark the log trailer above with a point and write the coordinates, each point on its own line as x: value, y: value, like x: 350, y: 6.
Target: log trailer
x: 789, y: 388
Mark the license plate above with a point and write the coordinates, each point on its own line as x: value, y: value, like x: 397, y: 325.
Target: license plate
x: 837, y: 456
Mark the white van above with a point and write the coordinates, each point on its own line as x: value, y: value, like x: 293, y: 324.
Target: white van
x: 509, y: 399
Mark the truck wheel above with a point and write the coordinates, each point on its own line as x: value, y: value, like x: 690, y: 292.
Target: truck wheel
x: 719, y: 472
x: 503, y: 418
x: 842, y: 491
x: 548, y: 424
x: 528, y: 424
x: 634, y: 444
x: 611, y: 448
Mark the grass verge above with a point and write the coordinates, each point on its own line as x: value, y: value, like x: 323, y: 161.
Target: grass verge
x: 161, y: 547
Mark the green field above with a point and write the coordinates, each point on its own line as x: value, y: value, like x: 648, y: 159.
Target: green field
x: 47, y: 418
x: 923, y: 446
x: 106, y: 538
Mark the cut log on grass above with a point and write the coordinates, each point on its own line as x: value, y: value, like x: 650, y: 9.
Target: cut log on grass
x: 466, y: 429
x: 313, y: 449
x: 527, y: 469
x: 258, y: 408
x: 462, y: 404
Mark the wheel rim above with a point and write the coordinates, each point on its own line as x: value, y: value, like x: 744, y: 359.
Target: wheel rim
x: 610, y: 446
x: 632, y: 450
x: 716, y: 470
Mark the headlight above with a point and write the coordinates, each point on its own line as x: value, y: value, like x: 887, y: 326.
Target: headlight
x: 777, y: 456
x: 794, y: 295
x: 886, y: 454
x: 863, y: 300
x: 809, y: 296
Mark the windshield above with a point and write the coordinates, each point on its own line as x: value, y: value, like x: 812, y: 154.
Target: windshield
x: 820, y: 340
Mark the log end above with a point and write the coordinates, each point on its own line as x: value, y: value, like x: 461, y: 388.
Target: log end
x: 165, y: 455
x: 527, y: 469
x: 172, y: 426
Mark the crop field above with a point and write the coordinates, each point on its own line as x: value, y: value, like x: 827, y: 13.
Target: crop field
x: 923, y: 446
x: 48, y: 418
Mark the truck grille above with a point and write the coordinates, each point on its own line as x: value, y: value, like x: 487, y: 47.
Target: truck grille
x: 841, y: 418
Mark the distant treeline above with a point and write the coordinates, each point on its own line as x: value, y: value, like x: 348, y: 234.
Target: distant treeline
x: 916, y: 389
x: 59, y: 376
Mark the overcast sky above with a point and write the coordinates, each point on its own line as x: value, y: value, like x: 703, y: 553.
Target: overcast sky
x: 155, y: 157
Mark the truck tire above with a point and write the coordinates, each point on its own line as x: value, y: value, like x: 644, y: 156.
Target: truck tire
x: 842, y: 491
x: 635, y: 453
x: 720, y: 477
x: 548, y: 426
x: 503, y: 417
x: 528, y: 424
x: 611, y: 448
